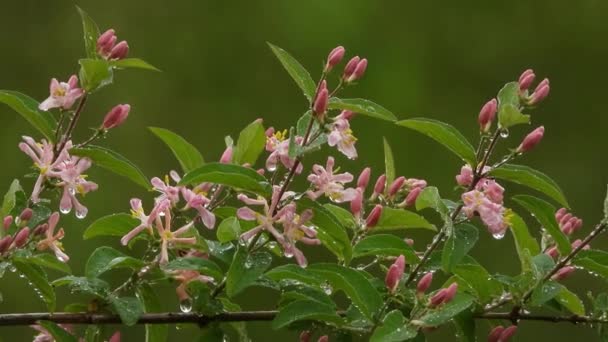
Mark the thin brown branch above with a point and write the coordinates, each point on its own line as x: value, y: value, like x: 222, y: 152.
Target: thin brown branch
x: 545, y: 318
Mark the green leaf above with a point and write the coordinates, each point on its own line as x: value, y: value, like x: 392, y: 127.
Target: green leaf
x: 133, y: 63
x: 385, y: 245
x: 38, y: 278
x: 389, y: 162
x: 292, y: 292
x: 204, y: 266
x: 245, y: 270
x: 113, y: 162
x: 544, y: 293
x: 362, y: 106
x: 111, y: 225
x: 465, y: 326
x: 10, y: 198
x: 49, y: 261
x: 354, y: 284
x: 509, y: 95
x: 606, y: 209
x: 444, y: 134
x: 251, y: 143
x: 531, y: 178
x: 296, y: 71
x: 59, y: 334
x: 570, y: 301
x: 128, y: 308
x: 95, y: 74
x: 594, y: 261
x: 186, y: 154
x: 393, y: 329
x: 92, y: 286
x: 235, y: 176
x: 509, y: 116
x: 544, y: 213
x: 394, y: 219
x: 229, y: 230
x: 479, y: 280
x: 305, y: 310
x: 27, y: 107
x: 329, y: 230
x: 344, y: 216
x: 446, y: 312
x: 154, y: 332
x: 430, y: 198
x: 303, y: 123
x: 459, y: 243
x: 91, y: 34
x: 104, y: 259
x: 523, y: 239
x: 293, y: 272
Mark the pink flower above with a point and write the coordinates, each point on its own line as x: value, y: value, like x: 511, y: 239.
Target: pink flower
x: 106, y: 42
x: 185, y: 277
x: 70, y: 172
x: 51, y: 240
x: 294, y: 230
x: 62, y: 94
x: 278, y: 146
x: 394, y: 274
x: 465, y: 178
x: 330, y: 185
x: 342, y: 136
x: 493, y: 191
x: 44, y: 159
x: 492, y: 214
x: 45, y: 336
x: 145, y: 221
x: 199, y: 202
x: 167, y: 192
x: 116, y: 116
x: 170, y: 238
x: 563, y: 273
x: 119, y: 51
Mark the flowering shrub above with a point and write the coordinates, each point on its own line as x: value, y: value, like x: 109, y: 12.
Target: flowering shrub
x: 215, y: 229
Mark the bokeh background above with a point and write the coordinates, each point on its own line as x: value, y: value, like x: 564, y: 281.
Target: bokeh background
x: 441, y: 59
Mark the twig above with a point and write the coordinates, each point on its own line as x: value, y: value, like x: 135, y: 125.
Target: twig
x: 533, y: 317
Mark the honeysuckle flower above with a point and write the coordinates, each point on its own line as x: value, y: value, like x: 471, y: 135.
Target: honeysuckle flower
x: 540, y: 93
x: 379, y: 186
x: 329, y: 184
x: 199, y: 202
x: 185, y: 277
x: 51, y: 240
x: 411, y: 197
x: 319, y: 107
x: 567, y: 222
x: 394, y: 274
x: 43, y: 156
x: 334, y: 57
x: 526, y: 79
x: 106, y: 42
x: 277, y: 143
x: 493, y: 191
x: 444, y: 296
x: 226, y: 157
x: 294, y: 230
x: 507, y: 333
x: 70, y: 172
x: 21, y: 237
x: 45, y: 336
x: 168, y: 237
x: 487, y: 115
x: 342, y: 136
x: 356, y: 205
x: 62, y: 94
x: 424, y: 283
x: 145, y: 221
x: 323, y: 338
x: 358, y: 71
x: 395, y: 186
x: 119, y: 51
x: 412, y: 183
x: 531, y: 140
x: 374, y: 216
x: 305, y: 336
x: 167, y: 192
x: 492, y: 214
x: 495, y: 333
x: 364, y: 178
x: 116, y: 116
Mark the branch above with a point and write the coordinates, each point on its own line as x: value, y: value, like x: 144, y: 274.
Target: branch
x: 546, y: 318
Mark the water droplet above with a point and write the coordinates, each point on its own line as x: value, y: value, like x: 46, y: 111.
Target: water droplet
x: 17, y: 221
x: 65, y: 210
x: 498, y: 236
x: 185, y: 305
x: 504, y: 133
x: 271, y: 168
x: 80, y: 214
x: 288, y: 253
x: 248, y: 263
x: 327, y: 289
x: 62, y: 258
x: 72, y: 191
x: 21, y: 275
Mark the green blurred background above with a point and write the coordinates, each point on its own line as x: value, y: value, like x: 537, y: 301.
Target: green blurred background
x: 438, y: 59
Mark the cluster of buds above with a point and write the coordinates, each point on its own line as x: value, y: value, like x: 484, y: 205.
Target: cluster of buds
x: 502, y: 334
x: 62, y: 94
x: 354, y: 69
x: 67, y: 172
x: 567, y: 222
x: 306, y: 335
x: 109, y: 49
x: 20, y: 238
x: 356, y: 205
x: 443, y: 296
x: 394, y: 274
x: 403, y: 191
x: 540, y: 92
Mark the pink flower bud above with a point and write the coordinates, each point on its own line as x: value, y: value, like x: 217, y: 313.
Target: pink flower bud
x: 552, y: 252
x: 380, y: 185
x: 347, y: 114
x: 356, y: 205
x: 506, y: 335
x: 323, y: 338
x: 540, y: 93
x: 26, y: 214
x: 394, y: 274
x: 41, y: 229
x: 363, y: 179
x: 396, y: 186
x: 565, y: 218
x: 450, y: 292
x: 494, y: 335
x: 320, y: 105
x: 374, y: 217
x: 120, y: 51
x: 116, y: 116
x: 21, y: 237
x: 579, y: 242
x: 269, y: 131
x: 412, y: 197
x: 226, y: 156
x: 487, y: 115
x: 5, y: 243
x: 526, y: 79
x: 531, y: 140
x: 560, y: 213
x: 334, y: 57
x: 106, y: 42
x: 563, y: 273
x: 409, y: 242
x: 115, y: 337
x: 424, y: 283
x: 349, y: 69
x: 7, y: 221
x: 305, y: 336
x: 437, y: 298
x: 359, y: 71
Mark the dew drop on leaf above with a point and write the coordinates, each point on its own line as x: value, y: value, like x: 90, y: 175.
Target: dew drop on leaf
x: 185, y: 305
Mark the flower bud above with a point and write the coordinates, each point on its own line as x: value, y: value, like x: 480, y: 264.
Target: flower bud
x: 374, y: 217
x: 359, y: 71
x: 349, y: 69
x: 487, y: 115
x: 450, y: 292
x: 437, y: 298
x: 506, y: 334
x: 120, y: 51
x: 379, y: 186
x: 560, y: 213
x: 409, y: 242
x: 226, y: 156
x: 412, y: 197
x: 424, y: 283
x: 540, y: 93
x: 116, y: 116
x: 305, y: 336
x: 269, y: 131
x: 356, y: 205
x: 334, y: 57
x: 106, y: 42
x: 531, y: 140
x: 21, y: 237
x: 494, y: 335
x: 7, y: 221
x: 394, y: 274
x: 320, y: 105
x: 26, y: 215
x: 579, y: 242
x: 41, y: 229
x: 5, y: 243
x: 323, y: 338
x: 363, y: 179
x: 346, y: 114
x: 396, y: 186
x: 526, y: 79
x: 552, y: 252
x: 563, y: 273
x: 115, y: 337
